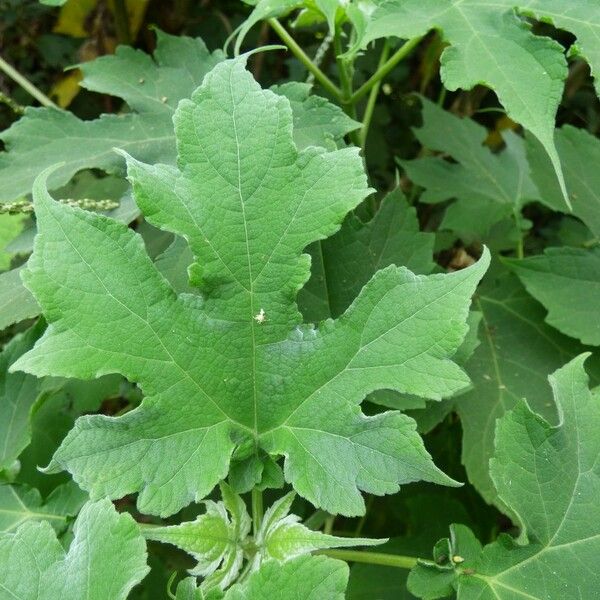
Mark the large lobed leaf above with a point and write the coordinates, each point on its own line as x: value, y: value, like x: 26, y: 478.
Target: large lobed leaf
x: 236, y: 366
x: 106, y: 559
x: 550, y: 478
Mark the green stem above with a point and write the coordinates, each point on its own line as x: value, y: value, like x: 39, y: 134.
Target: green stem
x: 382, y: 71
x: 257, y: 509
x: 16, y: 108
x: 289, y: 41
x: 442, y: 97
x: 519, y: 250
x: 121, y: 22
x: 373, y: 558
x: 367, y: 117
x: 25, y: 84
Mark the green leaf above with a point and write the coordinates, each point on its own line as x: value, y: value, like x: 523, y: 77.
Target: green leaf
x: 579, y: 154
x: 344, y: 263
x: 19, y: 504
x: 489, y: 188
x: 549, y: 477
x: 317, y: 122
x: 106, y: 559
x: 330, y: 8
x: 517, y: 353
x: 10, y: 228
x: 152, y: 88
x: 18, y: 393
x: 428, y: 415
x: 16, y: 301
x: 188, y: 590
x: 214, y: 539
x: 303, y: 578
x: 567, y: 282
x: 236, y: 365
x: 489, y: 44
x: 264, y: 9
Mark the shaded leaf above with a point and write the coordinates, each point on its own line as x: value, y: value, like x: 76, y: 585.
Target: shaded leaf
x: 517, y: 353
x: 567, y: 282
x: 343, y: 263
x: 489, y: 188
x: 579, y: 154
x: 317, y: 122
x: 18, y: 393
x: 16, y: 301
x: 19, y: 504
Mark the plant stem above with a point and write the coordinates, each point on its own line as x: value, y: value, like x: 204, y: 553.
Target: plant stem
x: 519, y: 250
x: 345, y: 79
x: 442, y: 97
x: 289, y: 41
x: 16, y: 108
x: 372, y: 558
x: 316, y: 520
x: 257, y: 509
x: 382, y: 71
x: 367, y: 117
x: 320, y: 55
x: 25, y: 84
x: 346, y: 82
x: 121, y: 22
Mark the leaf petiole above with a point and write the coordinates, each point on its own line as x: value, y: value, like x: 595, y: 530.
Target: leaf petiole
x: 385, y: 69
x: 25, y: 84
x: 372, y: 558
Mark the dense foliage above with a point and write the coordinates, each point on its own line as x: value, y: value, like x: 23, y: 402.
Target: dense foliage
x: 283, y: 280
